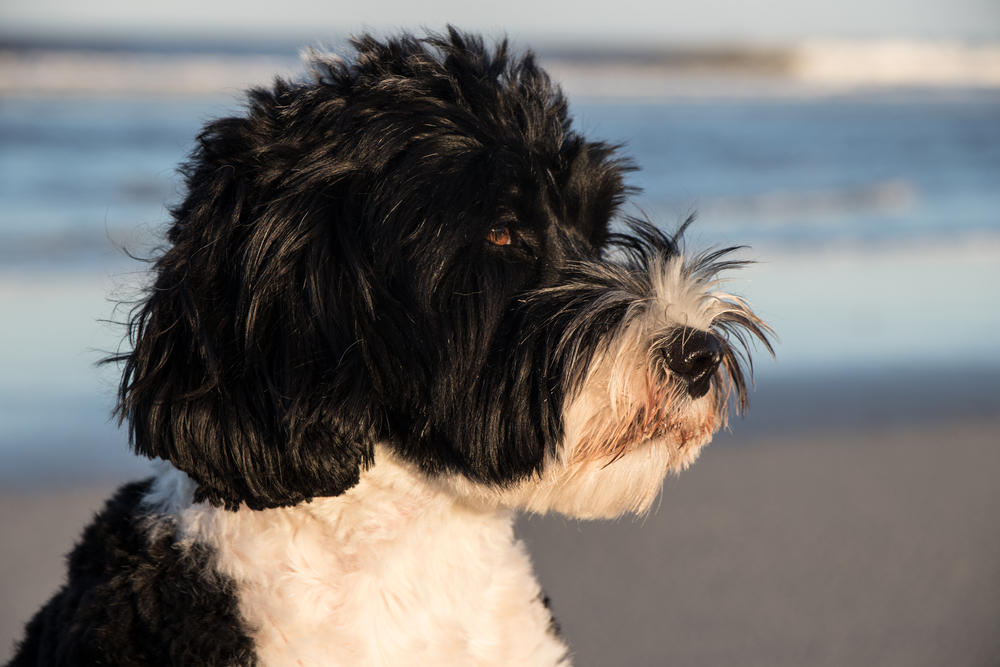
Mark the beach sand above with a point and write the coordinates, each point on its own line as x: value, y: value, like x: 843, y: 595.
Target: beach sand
x: 877, y: 544
x: 875, y: 547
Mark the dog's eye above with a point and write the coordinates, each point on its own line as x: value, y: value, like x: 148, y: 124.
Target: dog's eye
x: 499, y: 236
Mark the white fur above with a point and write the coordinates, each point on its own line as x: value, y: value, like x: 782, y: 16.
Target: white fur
x: 395, y: 571
x: 404, y: 569
x: 597, y: 472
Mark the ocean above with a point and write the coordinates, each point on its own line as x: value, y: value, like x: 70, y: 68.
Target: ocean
x: 872, y: 215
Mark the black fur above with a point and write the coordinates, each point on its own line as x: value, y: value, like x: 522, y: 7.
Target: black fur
x: 136, y: 597
x: 339, y: 275
x: 329, y: 284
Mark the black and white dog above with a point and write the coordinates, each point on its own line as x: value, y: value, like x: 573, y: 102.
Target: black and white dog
x: 392, y: 311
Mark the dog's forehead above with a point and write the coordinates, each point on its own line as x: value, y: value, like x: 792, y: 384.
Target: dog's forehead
x: 438, y: 125
x: 472, y: 96
x: 447, y: 161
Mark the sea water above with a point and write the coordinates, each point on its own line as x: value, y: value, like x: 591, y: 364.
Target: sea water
x: 873, y: 219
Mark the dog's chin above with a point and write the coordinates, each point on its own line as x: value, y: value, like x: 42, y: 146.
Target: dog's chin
x: 585, y: 479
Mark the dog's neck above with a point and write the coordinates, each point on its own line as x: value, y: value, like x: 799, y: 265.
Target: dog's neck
x: 395, y: 571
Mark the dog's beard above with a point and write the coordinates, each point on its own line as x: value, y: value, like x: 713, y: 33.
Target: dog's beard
x: 629, y: 394
x: 626, y: 401
x: 627, y: 421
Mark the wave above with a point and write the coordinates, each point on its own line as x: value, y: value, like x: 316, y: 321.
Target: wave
x: 67, y: 72
x: 897, y: 63
x: 803, y: 70
x: 809, y: 67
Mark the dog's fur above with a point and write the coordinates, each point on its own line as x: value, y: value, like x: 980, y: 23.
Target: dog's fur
x: 392, y: 310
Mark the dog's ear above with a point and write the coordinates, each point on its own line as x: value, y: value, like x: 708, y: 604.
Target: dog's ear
x: 243, y: 371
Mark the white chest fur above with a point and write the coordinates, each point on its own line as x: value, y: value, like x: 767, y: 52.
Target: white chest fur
x: 393, y: 572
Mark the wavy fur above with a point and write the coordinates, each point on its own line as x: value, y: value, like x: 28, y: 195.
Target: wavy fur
x: 396, y: 305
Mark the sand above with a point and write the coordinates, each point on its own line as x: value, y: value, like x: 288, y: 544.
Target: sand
x: 877, y: 544
x: 865, y: 548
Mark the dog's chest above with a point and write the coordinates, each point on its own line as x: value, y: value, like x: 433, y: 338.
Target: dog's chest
x: 382, y: 577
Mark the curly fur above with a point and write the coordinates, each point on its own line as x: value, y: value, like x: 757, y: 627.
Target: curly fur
x: 393, y: 308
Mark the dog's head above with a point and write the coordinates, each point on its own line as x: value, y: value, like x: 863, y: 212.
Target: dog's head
x: 414, y: 249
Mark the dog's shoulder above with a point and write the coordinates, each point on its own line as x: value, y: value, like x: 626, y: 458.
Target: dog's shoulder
x: 136, y: 595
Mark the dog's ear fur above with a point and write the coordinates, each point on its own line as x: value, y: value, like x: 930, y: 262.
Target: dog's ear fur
x: 246, y: 370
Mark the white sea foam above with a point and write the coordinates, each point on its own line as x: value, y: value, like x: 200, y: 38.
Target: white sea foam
x: 48, y: 72
x: 897, y: 63
x: 803, y: 70
x: 809, y: 68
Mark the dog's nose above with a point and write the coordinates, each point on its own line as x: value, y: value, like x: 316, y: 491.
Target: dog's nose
x: 693, y: 356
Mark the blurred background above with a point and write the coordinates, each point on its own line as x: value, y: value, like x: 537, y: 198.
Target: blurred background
x: 853, y: 517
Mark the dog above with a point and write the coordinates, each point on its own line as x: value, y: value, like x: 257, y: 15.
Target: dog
x: 397, y: 304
